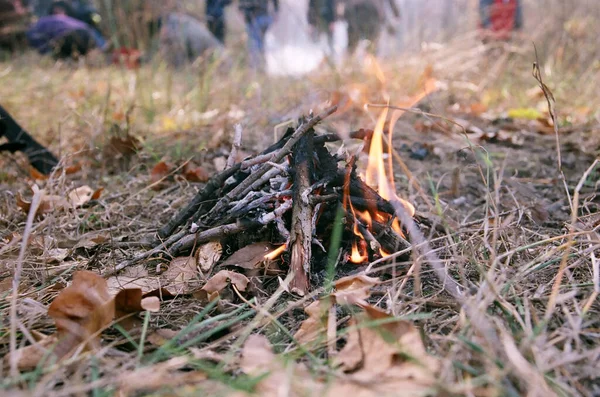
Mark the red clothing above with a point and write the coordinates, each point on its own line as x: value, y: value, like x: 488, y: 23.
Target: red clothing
x: 501, y: 17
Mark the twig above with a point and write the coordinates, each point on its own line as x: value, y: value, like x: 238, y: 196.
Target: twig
x: 211, y: 186
x: 260, y: 159
x: 235, y: 147
x: 161, y: 247
x: 219, y: 232
x: 17, y: 270
x: 215, y: 233
x: 276, y: 157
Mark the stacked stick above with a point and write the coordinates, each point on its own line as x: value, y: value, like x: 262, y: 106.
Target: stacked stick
x: 293, y: 188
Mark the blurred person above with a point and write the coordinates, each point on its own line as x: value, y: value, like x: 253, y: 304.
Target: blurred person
x: 20, y: 140
x: 14, y: 21
x: 80, y: 10
x: 183, y: 39
x: 321, y: 17
x: 63, y: 37
x: 215, y: 18
x: 366, y: 18
x: 258, y: 19
x: 500, y: 18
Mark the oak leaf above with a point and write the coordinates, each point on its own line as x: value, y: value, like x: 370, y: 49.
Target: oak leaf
x: 217, y: 283
x: 208, y: 255
x: 250, y: 257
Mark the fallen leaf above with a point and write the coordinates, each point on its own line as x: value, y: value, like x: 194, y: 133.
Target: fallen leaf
x: 158, y: 173
x: 86, y: 307
x: 29, y: 357
x: 277, y: 378
x: 161, y: 376
x: 128, y: 302
x: 35, y: 174
x: 354, y: 289
x: 208, y: 255
x: 477, y: 108
x: 382, y: 359
x: 48, y: 203
x: 56, y: 255
x: 250, y: 257
x: 80, y: 196
x: 315, y: 326
x: 72, y: 169
x: 220, y: 281
x: 160, y: 336
x: 91, y: 240
x: 122, y: 146
x: 180, y: 275
x: 97, y: 193
x: 194, y: 173
x: 80, y: 311
x: 133, y: 277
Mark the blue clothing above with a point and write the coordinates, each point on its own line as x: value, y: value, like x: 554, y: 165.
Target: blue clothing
x: 256, y: 29
x: 216, y: 8
x: 47, y: 30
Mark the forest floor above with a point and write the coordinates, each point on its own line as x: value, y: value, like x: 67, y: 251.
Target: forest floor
x: 506, y: 205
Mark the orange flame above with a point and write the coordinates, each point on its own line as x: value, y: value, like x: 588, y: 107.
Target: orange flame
x: 275, y: 253
x: 356, y: 256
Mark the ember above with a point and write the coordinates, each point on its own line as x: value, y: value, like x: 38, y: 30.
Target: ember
x: 289, y: 195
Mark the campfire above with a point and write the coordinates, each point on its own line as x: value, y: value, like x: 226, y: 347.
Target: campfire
x: 289, y: 195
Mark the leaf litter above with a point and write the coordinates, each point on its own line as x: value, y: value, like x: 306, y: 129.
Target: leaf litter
x: 566, y: 364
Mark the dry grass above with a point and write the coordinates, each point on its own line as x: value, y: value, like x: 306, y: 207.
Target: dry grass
x: 519, y: 330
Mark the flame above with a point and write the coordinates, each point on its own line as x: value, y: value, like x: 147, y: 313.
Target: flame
x: 365, y: 216
x: 275, y: 253
x: 355, y: 256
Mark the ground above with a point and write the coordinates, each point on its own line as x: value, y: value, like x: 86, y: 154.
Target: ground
x: 513, y: 223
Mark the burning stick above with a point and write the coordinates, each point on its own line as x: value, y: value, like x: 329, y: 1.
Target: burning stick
x: 301, y: 231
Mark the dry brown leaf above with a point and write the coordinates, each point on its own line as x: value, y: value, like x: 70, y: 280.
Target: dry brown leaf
x: 80, y: 311
x: 194, y: 173
x: 315, y: 326
x: 86, y: 307
x: 80, y: 196
x: 97, y: 193
x: 133, y: 277
x: 35, y: 174
x: 383, y: 359
x: 250, y: 257
x: 161, y: 336
x: 48, y: 203
x: 130, y: 301
x: 122, y: 146
x: 354, y: 289
x: 29, y: 357
x: 158, y: 173
x: 278, y: 378
x: 180, y: 275
x: 159, y: 376
x: 208, y: 255
x: 222, y: 279
x: 73, y: 168
x: 91, y: 240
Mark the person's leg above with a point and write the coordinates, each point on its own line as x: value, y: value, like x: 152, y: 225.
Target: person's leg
x: 74, y: 44
x: 256, y: 28
x: 353, y: 20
